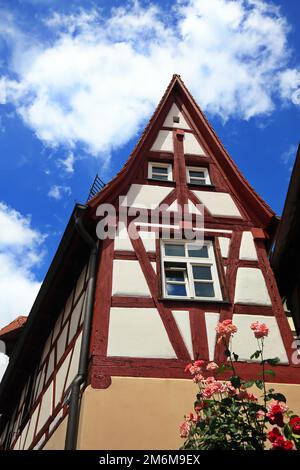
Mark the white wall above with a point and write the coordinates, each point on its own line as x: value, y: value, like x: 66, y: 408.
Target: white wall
x: 247, y: 249
x: 138, y: 332
x: 174, y: 111
x: 145, y: 196
x: 129, y: 279
x: 251, y: 287
x: 163, y: 142
x: 182, y: 318
x: 218, y: 204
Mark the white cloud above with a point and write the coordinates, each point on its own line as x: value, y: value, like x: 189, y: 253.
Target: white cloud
x: 56, y: 191
x: 289, y: 156
x: 290, y: 85
x: 21, y: 250
x: 67, y: 164
x: 100, y: 78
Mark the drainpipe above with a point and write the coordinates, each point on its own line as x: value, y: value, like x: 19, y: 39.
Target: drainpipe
x: 80, y: 379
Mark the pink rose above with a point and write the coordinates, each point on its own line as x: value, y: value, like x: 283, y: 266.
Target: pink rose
x: 212, y: 366
x: 184, y: 429
x: 260, y: 329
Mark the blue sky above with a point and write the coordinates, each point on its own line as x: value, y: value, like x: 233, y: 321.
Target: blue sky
x: 79, y: 80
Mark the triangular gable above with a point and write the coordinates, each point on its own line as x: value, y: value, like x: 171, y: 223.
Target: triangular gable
x: 177, y: 97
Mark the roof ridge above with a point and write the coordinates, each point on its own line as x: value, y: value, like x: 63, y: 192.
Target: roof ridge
x: 222, y: 145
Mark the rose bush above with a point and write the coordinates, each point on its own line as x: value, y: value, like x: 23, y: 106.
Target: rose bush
x: 227, y: 415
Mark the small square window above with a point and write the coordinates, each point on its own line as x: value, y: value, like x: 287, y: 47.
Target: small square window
x: 198, y: 176
x: 160, y: 171
x: 176, y: 119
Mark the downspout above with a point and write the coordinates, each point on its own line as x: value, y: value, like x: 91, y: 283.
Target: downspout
x: 80, y: 379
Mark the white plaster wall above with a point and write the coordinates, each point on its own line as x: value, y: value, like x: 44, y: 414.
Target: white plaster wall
x: 191, y: 145
x: 173, y: 207
x: 61, y: 378
x: 174, y: 111
x: 251, y: 287
x: 80, y: 283
x: 129, y: 279
x: 163, y: 142
x: 23, y: 436
x: 46, y: 347
x: 145, y: 196
x: 68, y: 305
x: 149, y: 240
x: 50, y: 366
x: 182, y: 318
x: 122, y: 240
x: 247, y: 249
x: 31, y: 429
x: 74, y: 321
x: 138, y: 332
x: 218, y: 204
x: 193, y: 209
x: 57, y: 326
x: 74, y: 362
x: 211, y: 320
x: 224, y: 246
x: 61, y: 342
x: 46, y: 407
x: 244, y: 342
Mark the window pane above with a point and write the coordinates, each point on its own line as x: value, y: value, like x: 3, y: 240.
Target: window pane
x: 204, y: 289
x: 176, y: 289
x: 196, y: 174
x: 160, y: 177
x: 202, y: 272
x: 175, y: 276
x: 160, y: 169
x: 174, y: 250
x: 197, y: 251
x: 199, y: 181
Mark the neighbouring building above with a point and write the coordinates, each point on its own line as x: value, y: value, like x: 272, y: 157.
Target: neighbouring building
x: 285, y: 259
x: 100, y: 361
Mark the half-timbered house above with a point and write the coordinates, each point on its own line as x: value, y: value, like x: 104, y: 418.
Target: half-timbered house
x: 100, y: 362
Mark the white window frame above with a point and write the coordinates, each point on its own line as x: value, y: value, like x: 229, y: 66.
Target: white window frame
x: 160, y: 165
x: 190, y: 262
x: 196, y: 168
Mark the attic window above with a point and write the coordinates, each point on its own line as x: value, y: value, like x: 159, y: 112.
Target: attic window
x: 198, y: 176
x: 160, y: 171
x: 176, y: 119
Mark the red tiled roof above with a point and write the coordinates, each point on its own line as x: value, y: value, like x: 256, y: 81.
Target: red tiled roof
x: 19, y: 322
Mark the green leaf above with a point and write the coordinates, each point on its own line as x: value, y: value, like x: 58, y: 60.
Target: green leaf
x: 259, y: 384
x: 278, y: 396
x: 268, y: 372
x: 249, y: 384
x: 235, y: 381
x: 273, y: 361
x: 287, y: 431
x: 223, y: 367
x: 255, y: 355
